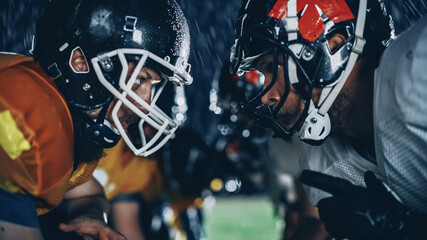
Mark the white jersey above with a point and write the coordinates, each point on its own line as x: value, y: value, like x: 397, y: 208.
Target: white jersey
x: 400, y: 116
x: 400, y: 127
x: 336, y: 157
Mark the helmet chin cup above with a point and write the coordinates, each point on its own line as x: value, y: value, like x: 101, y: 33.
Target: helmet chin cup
x: 315, y: 128
x: 103, y: 134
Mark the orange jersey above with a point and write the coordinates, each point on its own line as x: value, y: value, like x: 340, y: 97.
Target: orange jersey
x: 36, y: 135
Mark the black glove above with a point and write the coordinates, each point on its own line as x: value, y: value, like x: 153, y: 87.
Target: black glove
x: 356, y: 212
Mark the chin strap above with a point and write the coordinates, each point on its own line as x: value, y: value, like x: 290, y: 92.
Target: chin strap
x: 317, y: 124
x: 104, y: 134
x: 316, y: 127
x: 101, y: 131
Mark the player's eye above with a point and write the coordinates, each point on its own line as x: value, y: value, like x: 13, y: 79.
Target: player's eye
x: 139, y: 80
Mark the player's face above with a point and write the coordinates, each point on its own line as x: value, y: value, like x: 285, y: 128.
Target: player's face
x: 146, y: 79
x: 294, y: 104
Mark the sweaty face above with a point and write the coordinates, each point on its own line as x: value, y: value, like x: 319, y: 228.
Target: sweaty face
x: 137, y: 113
x: 146, y: 79
x: 293, y: 105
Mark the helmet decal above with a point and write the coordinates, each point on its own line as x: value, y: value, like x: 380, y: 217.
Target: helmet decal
x: 279, y: 10
x: 310, y: 24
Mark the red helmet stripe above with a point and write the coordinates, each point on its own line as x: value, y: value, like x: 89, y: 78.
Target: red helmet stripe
x: 310, y: 24
x: 279, y: 10
x: 336, y: 10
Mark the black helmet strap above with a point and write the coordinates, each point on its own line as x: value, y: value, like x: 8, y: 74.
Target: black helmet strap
x: 101, y: 133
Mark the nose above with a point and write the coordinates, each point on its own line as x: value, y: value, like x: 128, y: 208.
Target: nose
x: 143, y: 85
x: 273, y: 95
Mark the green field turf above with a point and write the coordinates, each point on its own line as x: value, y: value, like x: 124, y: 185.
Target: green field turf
x: 242, y: 218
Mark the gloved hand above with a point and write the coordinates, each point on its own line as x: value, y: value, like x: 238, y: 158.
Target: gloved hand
x: 356, y: 212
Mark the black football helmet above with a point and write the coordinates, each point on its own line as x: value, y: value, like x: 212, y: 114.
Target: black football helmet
x: 299, y: 31
x: 110, y: 34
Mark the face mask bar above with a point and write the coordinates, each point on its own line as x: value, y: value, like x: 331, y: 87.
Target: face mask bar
x: 266, y: 116
x: 155, y: 117
x: 317, y: 125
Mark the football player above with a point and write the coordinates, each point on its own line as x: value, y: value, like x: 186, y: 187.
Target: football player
x: 98, y: 67
x: 334, y: 76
